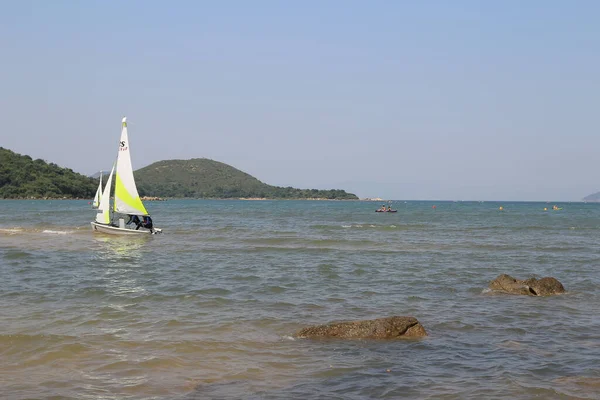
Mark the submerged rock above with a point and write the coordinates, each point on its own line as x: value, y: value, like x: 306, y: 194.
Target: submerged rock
x: 532, y: 287
x: 381, y: 328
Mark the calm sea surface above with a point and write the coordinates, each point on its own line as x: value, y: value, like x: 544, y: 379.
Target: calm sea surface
x: 207, y: 310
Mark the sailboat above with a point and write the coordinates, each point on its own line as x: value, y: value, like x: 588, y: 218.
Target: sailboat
x: 98, y: 194
x: 126, y: 198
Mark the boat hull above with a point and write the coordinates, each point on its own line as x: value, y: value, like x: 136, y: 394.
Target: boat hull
x: 115, y: 230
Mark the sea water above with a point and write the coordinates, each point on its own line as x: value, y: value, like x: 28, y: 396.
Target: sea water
x: 208, y: 309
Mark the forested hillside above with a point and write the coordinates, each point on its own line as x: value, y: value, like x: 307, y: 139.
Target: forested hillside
x: 23, y: 177
x: 204, y: 178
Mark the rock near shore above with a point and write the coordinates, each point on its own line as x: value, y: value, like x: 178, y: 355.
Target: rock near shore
x: 531, y: 287
x: 382, y: 328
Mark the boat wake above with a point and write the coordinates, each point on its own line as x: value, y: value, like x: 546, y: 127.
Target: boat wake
x: 28, y: 231
x: 10, y: 231
x: 53, y: 232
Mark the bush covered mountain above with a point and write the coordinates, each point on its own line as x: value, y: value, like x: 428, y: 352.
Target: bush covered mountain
x: 204, y: 178
x: 23, y: 177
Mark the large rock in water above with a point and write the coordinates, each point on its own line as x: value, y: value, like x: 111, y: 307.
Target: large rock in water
x: 382, y: 328
x: 531, y: 287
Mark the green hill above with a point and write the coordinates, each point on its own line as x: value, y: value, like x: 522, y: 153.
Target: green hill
x: 23, y: 177
x: 204, y: 178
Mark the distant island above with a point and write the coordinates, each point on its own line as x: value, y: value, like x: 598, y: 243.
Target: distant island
x: 592, y: 197
x: 21, y: 177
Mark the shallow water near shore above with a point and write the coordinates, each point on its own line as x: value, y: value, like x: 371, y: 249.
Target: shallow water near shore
x: 208, y: 309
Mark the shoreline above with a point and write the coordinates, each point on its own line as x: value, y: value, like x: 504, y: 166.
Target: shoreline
x: 187, y: 198
x: 370, y: 200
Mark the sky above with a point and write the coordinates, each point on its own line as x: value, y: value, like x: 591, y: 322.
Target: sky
x: 429, y: 100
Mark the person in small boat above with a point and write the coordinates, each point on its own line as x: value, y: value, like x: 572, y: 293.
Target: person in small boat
x: 382, y: 209
x: 136, y: 220
x: 389, y: 208
x: 147, y: 223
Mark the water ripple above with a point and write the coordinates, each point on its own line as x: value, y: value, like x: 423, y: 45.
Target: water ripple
x: 209, y: 310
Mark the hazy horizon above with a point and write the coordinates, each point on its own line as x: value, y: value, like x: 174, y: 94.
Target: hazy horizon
x: 431, y: 101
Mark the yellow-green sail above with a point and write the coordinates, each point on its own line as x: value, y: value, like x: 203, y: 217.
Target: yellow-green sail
x: 127, y: 199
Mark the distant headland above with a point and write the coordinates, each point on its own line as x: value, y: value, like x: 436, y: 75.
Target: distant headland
x: 21, y: 177
x: 595, y: 197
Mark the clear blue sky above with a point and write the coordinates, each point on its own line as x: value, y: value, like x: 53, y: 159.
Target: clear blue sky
x: 457, y: 100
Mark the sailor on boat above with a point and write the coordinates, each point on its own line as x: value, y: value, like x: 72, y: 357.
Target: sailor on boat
x: 136, y: 220
x: 146, y: 222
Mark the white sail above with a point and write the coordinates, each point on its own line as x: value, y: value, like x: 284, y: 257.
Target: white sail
x: 127, y: 199
x: 96, y: 201
x: 103, y: 215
